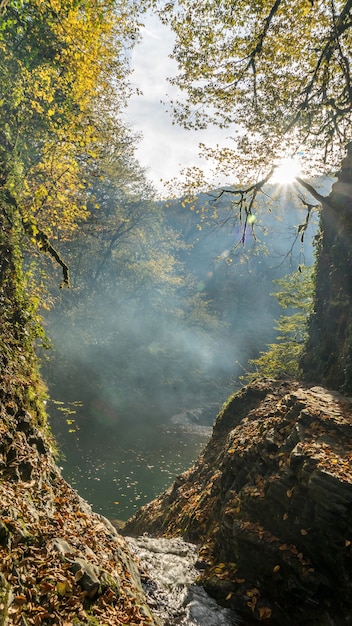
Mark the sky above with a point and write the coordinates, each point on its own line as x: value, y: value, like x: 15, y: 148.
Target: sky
x: 165, y: 148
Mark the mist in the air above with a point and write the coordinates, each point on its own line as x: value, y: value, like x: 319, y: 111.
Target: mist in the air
x: 139, y: 368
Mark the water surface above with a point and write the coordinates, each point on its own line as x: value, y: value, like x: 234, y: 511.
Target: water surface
x: 121, y: 466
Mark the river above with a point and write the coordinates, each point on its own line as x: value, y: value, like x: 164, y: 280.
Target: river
x: 117, y: 468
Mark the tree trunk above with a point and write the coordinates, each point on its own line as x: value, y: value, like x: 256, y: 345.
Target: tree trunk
x: 327, y: 359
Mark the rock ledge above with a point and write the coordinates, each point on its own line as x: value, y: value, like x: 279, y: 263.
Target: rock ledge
x: 270, y: 503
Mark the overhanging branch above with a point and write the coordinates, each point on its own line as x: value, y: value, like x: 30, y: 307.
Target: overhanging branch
x: 313, y: 192
x: 45, y: 245
x: 31, y: 228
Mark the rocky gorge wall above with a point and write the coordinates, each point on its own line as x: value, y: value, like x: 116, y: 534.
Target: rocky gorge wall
x: 270, y: 504
x: 60, y: 563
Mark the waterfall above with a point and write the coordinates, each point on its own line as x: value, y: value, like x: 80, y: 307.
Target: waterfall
x: 169, y: 579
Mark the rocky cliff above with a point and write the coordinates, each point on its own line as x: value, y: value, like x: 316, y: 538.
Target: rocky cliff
x: 59, y: 562
x: 270, y: 504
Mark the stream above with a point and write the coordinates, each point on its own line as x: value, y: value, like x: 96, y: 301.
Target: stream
x: 118, y: 469
x: 169, y: 584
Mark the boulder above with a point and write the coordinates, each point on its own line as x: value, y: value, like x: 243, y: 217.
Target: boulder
x: 270, y: 504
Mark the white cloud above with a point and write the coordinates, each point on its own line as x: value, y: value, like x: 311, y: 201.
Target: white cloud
x: 166, y: 148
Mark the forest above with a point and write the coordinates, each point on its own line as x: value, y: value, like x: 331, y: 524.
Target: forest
x: 131, y: 352
x: 124, y: 315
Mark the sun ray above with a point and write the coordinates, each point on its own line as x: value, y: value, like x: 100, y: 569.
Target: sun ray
x: 286, y: 171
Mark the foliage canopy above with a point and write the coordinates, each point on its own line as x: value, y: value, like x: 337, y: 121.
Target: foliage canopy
x: 278, y: 70
x: 63, y: 66
x: 281, y: 359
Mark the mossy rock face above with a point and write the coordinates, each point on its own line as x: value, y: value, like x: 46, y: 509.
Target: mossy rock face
x: 6, y: 598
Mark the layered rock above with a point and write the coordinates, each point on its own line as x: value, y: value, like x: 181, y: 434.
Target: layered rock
x: 270, y: 504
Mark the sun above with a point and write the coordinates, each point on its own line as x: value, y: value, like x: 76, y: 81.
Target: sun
x: 286, y: 171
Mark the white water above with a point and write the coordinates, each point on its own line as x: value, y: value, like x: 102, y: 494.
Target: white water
x: 169, y: 584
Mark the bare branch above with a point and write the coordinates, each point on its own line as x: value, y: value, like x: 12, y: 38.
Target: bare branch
x: 313, y: 192
x: 31, y: 228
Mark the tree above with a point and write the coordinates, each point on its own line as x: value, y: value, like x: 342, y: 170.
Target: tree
x: 57, y: 65
x: 135, y: 315
x: 281, y: 359
x: 281, y: 73
x: 56, y: 69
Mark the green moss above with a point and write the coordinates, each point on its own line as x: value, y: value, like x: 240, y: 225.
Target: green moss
x: 21, y: 387
x: 327, y: 356
x: 5, y: 590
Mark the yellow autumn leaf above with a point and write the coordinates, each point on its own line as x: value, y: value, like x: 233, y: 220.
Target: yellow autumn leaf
x: 252, y: 593
x: 264, y: 612
x: 62, y: 587
x: 276, y: 568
